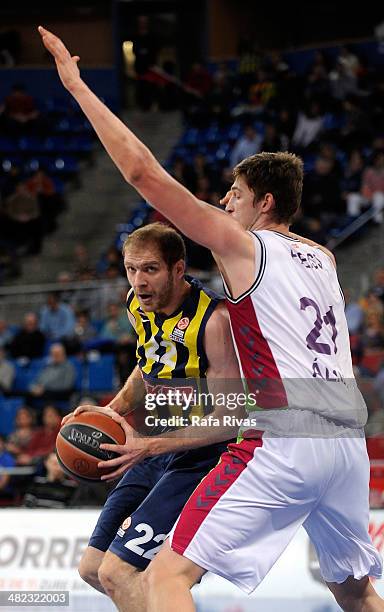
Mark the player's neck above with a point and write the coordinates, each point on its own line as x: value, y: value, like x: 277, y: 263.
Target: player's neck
x: 177, y: 299
x: 265, y: 224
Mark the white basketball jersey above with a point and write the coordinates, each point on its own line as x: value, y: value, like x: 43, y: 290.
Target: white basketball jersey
x: 291, y: 334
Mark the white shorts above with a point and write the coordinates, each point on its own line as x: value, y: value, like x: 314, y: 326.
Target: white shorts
x: 245, y: 512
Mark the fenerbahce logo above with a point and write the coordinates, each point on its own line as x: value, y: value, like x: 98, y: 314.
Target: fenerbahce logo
x: 179, y: 330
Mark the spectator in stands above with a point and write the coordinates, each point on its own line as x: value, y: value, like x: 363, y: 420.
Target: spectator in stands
x: 64, y: 278
x: 343, y: 81
x: 350, y: 60
x: 22, y: 221
x: 248, y: 144
x: 57, y: 320
x: 43, y: 440
x: 42, y: 186
x: 117, y: 327
x: 203, y: 189
x: 25, y: 427
x: 272, y: 141
x: 372, y: 188
x: 378, y: 284
x: 56, y: 380
x: 372, y: 303
x: 356, y: 131
x: 85, y: 332
x: 317, y: 83
x: 111, y: 256
x: 29, y: 342
x: 6, y: 461
x: 353, y: 313
x: 182, y: 173
x: 199, y: 169
x: 199, y: 80
x: 321, y: 193
x: 19, y: 111
x: 308, y: 126
x: 285, y: 124
x: 373, y: 334
x: 328, y: 150
x: 6, y: 334
x: 7, y: 373
x: 113, y: 289
x: 351, y: 183
x: 81, y: 262
x: 54, y: 490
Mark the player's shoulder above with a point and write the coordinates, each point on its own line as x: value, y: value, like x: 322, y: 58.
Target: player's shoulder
x: 218, y: 323
x: 315, y: 245
x: 198, y: 287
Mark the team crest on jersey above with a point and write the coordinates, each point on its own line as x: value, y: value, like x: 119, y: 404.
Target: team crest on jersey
x: 124, y: 526
x: 178, y: 332
x: 183, y: 323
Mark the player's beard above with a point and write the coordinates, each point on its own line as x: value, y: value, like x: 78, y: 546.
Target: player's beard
x: 165, y: 294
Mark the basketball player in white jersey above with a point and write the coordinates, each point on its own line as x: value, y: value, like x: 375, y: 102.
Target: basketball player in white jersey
x: 307, y: 462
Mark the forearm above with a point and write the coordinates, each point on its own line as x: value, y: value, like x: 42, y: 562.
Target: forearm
x: 131, y: 395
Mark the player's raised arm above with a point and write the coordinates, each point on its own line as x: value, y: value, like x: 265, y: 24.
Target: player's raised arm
x: 200, y: 221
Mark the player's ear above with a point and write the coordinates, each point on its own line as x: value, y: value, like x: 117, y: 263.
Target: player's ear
x: 180, y: 268
x: 268, y: 203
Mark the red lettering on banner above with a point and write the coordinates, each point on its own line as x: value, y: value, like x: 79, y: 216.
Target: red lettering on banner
x: 377, y: 534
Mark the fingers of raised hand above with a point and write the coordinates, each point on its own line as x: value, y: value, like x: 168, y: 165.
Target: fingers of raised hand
x: 54, y: 44
x: 224, y: 201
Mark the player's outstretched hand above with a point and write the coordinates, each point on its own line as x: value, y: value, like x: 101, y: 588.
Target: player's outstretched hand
x: 133, y: 451
x: 66, y: 64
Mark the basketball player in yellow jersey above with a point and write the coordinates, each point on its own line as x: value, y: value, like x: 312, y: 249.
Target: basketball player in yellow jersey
x: 183, y: 341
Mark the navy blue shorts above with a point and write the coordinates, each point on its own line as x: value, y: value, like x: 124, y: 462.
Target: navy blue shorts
x: 142, y: 509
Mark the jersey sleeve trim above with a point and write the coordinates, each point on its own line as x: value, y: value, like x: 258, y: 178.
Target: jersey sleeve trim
x: 259, y: 275
x: 130, y: 296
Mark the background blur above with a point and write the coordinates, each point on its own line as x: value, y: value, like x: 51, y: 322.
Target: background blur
x: 204, y: 84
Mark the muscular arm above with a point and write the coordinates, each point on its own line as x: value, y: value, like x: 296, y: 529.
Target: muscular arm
x: 200, y: 221
x: 131, y: 396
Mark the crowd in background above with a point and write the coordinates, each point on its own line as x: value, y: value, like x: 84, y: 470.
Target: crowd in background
x: 41, y: 143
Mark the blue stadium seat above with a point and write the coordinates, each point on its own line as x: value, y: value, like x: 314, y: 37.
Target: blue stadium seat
x: 79, y: 367
x: 63, y: 165
x: 8, y: 408
x: 22, y: 377
x: 8, y: 145
x: 101, y: 373
x: 31, y: 144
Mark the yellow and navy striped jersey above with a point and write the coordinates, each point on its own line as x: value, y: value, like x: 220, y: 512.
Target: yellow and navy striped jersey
x: 170, y: 348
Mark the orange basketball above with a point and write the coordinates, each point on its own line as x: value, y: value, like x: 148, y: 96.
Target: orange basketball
x: 78, y: 444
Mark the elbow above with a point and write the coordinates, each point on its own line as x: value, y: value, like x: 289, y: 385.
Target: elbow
x: 138, y: 168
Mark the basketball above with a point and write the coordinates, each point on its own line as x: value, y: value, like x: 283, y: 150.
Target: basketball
x: 78, y: 444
